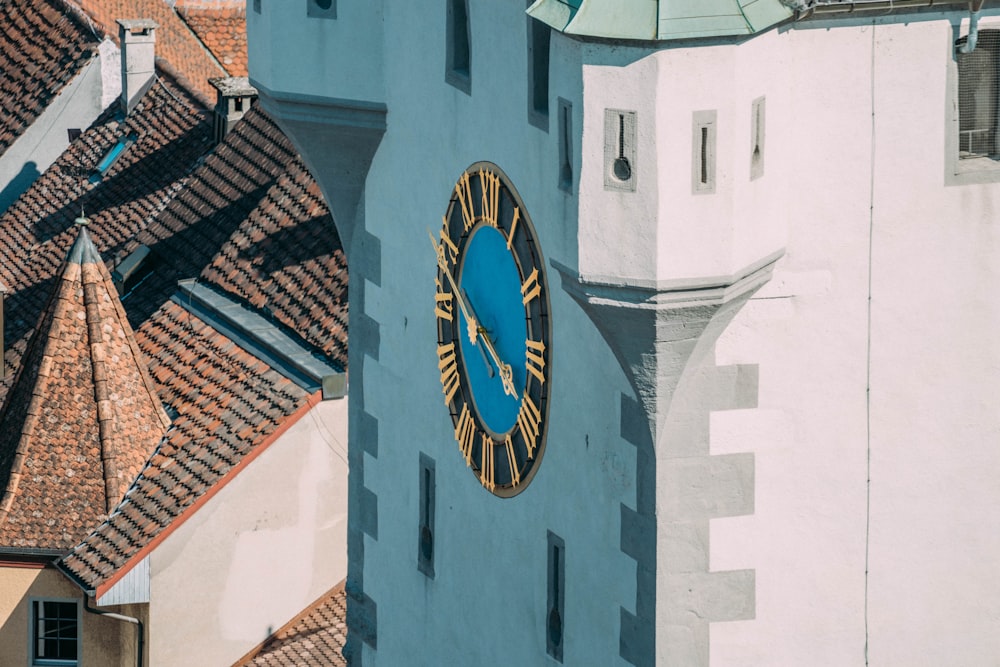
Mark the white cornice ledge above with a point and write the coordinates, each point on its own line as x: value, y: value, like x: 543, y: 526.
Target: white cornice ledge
x: 684, y: 293
x: 300, y: 107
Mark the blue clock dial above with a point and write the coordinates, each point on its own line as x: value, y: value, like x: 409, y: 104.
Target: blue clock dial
x: 492, y: 287
x: 492, y: 312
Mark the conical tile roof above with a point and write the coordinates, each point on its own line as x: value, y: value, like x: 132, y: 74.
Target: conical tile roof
x: 82, y: 414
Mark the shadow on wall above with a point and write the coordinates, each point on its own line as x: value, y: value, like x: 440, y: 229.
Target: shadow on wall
x: 18, y: 185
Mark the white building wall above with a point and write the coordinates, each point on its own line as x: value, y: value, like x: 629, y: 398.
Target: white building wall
x: 264, y: 548
x: 866, y: 199
x: 77, y: 106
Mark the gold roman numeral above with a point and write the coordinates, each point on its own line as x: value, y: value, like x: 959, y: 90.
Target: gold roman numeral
x: 444, y: 308
x: 465, y: 434
x: 535, y: 360
x: 528, y: 420
x: 515, y: 472
x: 487, y: 471
x: 530, y: 289
x: 449, y: 371
x: 448, y: 249
x: 464, y: 191
x: 513, y: 227
x: 490, y: 183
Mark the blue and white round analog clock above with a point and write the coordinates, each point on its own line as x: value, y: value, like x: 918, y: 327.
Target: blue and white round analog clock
x: 492, y: 311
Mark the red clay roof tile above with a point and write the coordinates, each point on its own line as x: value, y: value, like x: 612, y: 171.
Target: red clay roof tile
x: 222, y: 28
x: 175, y: 41
x: 82, y: 415
x: 314, y: 637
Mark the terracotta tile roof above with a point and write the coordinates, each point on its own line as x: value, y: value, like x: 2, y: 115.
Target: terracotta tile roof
x: 230, y: 406
x: 252, y: 222
x: 252, y: 216
x: 83, y: 414
x: 286, y: 258
x: 171, y: 134
x: 175, y: 41
x: 42, y: 48
x: 246, y: 219
x: 314, y: 638
x: 222, y: 27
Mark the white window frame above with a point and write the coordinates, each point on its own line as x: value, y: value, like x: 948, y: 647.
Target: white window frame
x: 33, y: 638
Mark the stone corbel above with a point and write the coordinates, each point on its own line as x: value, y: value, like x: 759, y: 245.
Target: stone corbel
x: 656, y: 329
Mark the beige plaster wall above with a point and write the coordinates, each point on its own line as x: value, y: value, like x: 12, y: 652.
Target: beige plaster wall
x: 106, y: 643
x: 259, y: 552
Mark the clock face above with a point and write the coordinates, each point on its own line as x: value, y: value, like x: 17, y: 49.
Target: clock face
x: 491, y: 306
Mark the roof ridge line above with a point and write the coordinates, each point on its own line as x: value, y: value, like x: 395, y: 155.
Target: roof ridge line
x: 201, y: 43
x: 81, y: 16
x: 182, y: 81
x: 86, y: 255
x: 105, y: 415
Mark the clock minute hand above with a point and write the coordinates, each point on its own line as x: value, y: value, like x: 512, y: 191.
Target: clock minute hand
x: 506, y: 374
x: 470, y: 321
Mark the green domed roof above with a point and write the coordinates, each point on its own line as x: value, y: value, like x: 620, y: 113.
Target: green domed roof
x: 659, y: 19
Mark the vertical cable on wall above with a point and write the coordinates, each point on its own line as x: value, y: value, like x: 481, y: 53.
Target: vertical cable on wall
x: 868, y: 343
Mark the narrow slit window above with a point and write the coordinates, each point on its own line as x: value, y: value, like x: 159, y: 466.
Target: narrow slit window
x: 565, y: 145
x: 757, y: 139
x: 539, y: 40
x: 425, y: 537
x: 459, y: 46
x: 703, y: 154
x: 555, y: 631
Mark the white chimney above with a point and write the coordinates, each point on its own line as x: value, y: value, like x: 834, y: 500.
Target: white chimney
x: 138, y: 40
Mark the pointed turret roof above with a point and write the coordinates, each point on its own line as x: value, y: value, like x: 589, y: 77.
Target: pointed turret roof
x: 82, y: 415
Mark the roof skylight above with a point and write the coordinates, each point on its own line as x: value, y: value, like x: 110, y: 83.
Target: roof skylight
x: 112, y: 156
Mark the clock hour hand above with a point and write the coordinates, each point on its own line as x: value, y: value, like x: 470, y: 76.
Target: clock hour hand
x: 479, y: 340
x: 470, y: 320
x: 474, y: 330
x: 506, y: 374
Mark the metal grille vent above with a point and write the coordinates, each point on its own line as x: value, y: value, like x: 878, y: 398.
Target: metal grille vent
x: 977, y: 97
